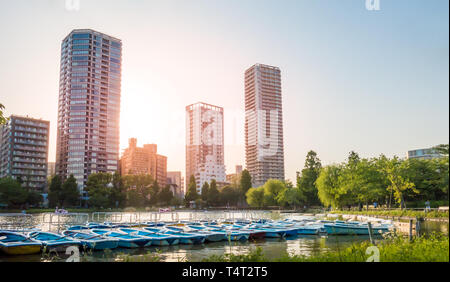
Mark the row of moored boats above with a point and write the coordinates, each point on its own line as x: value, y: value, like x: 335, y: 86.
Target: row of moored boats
x: 95, y: 236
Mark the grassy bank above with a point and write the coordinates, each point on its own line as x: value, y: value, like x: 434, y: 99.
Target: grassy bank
x: 398, y: 213
x: 398, y: 249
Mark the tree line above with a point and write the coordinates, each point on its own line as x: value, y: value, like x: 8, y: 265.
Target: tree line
x: 211, y: 196
x: 107, y: 190
x: 392, y: 182
x: 115, y: 191
x: 284, y: 194
x: 14, y: 195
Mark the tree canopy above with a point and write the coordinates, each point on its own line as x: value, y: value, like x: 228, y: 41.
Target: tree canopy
x: 307, y: 178
x: 246, y: 181
x: 393, y: 181
x: 191, y: 194
x: 3, y: 119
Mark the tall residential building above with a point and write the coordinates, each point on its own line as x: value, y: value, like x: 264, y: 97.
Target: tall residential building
x: 264, y: 148
x: 204, y: 144
x: 51, y: 169
x: 89, y: 105
x: 24, y: 151
x: 144, y: 160
x: 427, y: 154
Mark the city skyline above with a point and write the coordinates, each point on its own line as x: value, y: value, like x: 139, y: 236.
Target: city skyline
x: 335, y: 99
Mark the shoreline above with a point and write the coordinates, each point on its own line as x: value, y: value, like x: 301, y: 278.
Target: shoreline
x: 394, y: 217
x: 439, y: 216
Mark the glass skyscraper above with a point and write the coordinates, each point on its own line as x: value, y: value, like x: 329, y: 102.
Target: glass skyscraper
x: 89, y: 105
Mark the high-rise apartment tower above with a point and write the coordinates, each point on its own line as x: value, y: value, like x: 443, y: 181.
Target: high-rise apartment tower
x: 24, y: 151
x: 89, y: 105
x: 264, y: 152
x: 204, y: 144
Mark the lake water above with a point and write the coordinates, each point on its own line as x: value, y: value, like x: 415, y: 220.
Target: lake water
x: 272, y: 248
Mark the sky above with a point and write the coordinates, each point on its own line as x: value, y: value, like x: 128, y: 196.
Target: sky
x: 372, y: 81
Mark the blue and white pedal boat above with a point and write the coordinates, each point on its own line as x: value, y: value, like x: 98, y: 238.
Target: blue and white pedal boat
x: 269, y: 232
x: 125, y: 240
x: 211, y: 234
x: 13, y: 243
x: 53, y: 242
x: 92, y: 241
x: 157, y: 239
x: 185, y: 238
x: 342, y: 228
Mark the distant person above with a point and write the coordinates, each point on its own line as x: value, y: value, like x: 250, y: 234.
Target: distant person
x: 56, y: 209
x: 375, y: 205
x: 427, y: 206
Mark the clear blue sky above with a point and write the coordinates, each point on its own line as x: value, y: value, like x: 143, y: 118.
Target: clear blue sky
x: 370, y: 81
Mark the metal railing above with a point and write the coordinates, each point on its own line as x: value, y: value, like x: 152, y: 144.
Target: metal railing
x: 59, y: 220
x: 17, y: 222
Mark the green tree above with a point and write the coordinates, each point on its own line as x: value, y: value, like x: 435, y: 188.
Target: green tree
x: 246, y: 181
x: 361, y: 181
x: 399, y: 183
x: 191, y: 194
x: 176, y: 201
x: 349, y: 185
x: 3, y: 119
x: 255, y: 197
x: 443, y: 169
x: 272, y: 188
x: 99, y: 188
x: 199, y: 203
x: 288, y: 184
x: 442, y: 149
x: 369, y: 183
x: 205, y: 191
x: 290, y: 197
x: 99, y: 198
x: 70, y: 195
x: 213, y: 194
x: 154, y: 193
x: 166, y: 195
x: 34, y: 198
x: 328, y: 185
x: 306, y: 180
x: 54, y: 192
x: 134, y: 199
x: 229, y: 196
x: 12, y: 193
x: 138, y: 189
x: 117, y: 194
x: 425, y: 174
x: 353, y: 158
